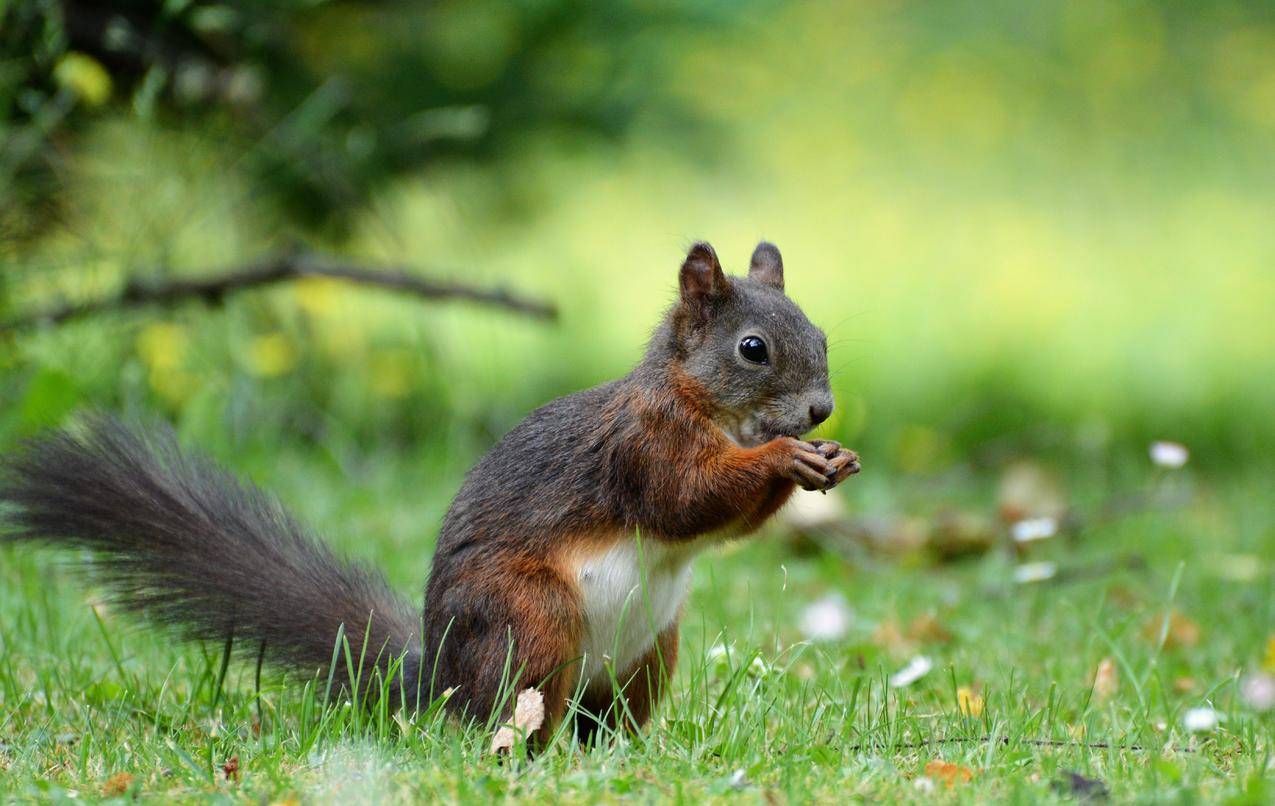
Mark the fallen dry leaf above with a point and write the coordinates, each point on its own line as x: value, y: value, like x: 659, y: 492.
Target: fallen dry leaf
x: 1106, y: 680
x: 950, y: 774
x: 529, y: 715
x: 1180, y: 633
x: 117, y: 785
x: 1184, y: 685
x: 969, y: 702
x: 889, y: 637
x: 231, y: 769
x: 924, y: 629
x: 1028, y: 490
x: 928, y: 629
x: 962, y: 534
x: 1123, y: 597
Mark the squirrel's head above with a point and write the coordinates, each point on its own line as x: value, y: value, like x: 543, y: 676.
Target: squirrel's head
x: 762, y: 362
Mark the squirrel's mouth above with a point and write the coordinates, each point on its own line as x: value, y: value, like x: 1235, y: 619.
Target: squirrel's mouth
x: 767, y: 430
x: 750, y: 432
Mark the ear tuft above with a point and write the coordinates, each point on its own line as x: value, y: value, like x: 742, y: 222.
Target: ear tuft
x: 701, y: 277
x: 767, y: 265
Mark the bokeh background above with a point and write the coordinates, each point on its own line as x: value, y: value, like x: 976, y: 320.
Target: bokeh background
x: 1036, y: 231
x: 1043, y: 226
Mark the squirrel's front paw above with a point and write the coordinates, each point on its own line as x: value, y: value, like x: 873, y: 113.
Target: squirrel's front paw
x: 809, y: 468
x: 842, y: 463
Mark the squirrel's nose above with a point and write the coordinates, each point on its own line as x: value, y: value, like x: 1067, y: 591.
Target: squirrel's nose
x: 820, y: 412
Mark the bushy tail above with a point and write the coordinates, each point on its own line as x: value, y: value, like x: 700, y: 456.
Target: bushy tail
x: 184, y: 543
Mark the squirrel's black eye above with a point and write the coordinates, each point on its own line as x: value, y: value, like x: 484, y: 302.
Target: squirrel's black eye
x: 754, y: 349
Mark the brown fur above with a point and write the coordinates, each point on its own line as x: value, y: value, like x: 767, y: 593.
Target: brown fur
x: 699, y: 440
x: 649, y: 454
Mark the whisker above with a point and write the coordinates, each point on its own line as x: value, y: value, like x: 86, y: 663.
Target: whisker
x: 855, y: 315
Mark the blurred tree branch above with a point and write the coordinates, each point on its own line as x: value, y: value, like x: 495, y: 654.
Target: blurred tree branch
x: 328, y: 100
x: 214, y: 287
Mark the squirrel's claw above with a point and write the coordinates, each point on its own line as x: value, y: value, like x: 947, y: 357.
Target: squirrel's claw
x: 842, y: 463
x: 810, y: 469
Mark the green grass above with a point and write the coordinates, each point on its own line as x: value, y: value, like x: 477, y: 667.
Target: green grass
x: 85, y: 696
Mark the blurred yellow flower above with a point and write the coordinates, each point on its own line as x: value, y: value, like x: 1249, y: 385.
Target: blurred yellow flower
x: 1174, y: 630
x: 1269, y: 663
x: 271, y: 355
x: 970, y: 703
x: 83, y: 75
x: 391, y: 374
x: 174, y: 385
x: 162, y: 346
x: 345, y: 344
x: 317, y: 295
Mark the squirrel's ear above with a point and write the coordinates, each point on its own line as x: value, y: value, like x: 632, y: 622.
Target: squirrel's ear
x: 767, y: 265
x: 701, y: 278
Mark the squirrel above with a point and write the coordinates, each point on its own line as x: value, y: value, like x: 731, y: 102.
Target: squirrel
x: 562, y: 563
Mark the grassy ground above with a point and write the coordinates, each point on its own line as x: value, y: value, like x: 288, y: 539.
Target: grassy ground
x: 91, y: 707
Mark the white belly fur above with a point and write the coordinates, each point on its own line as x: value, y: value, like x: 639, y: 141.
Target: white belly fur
x: 627, y: 603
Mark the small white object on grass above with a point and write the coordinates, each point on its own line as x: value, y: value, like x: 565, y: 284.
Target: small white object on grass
x: 808, y: 511
x: 1201, y: 720
x: 917, y: 668
x: 529, y: 715
x: 826, y: 619
x: 722, y: 658
x: 1258, y: 691
x: 1029, y: 529
x: 1172, y: 455
x: 738, y: 780
x: 1034, y: 572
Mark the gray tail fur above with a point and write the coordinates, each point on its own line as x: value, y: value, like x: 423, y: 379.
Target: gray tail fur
x: 182, y: 542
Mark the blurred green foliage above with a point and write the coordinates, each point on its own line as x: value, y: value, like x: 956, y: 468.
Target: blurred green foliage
x: 1031, y: 228
x: 326, y: 100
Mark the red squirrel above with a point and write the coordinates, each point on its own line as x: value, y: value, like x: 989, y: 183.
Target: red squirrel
x: 562, y: 563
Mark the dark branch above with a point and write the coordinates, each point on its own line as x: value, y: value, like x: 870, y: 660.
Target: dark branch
x: 213, y: 289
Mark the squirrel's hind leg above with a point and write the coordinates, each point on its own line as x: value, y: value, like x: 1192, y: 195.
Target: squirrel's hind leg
x: 643, y: 685
x: 516, y: 624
